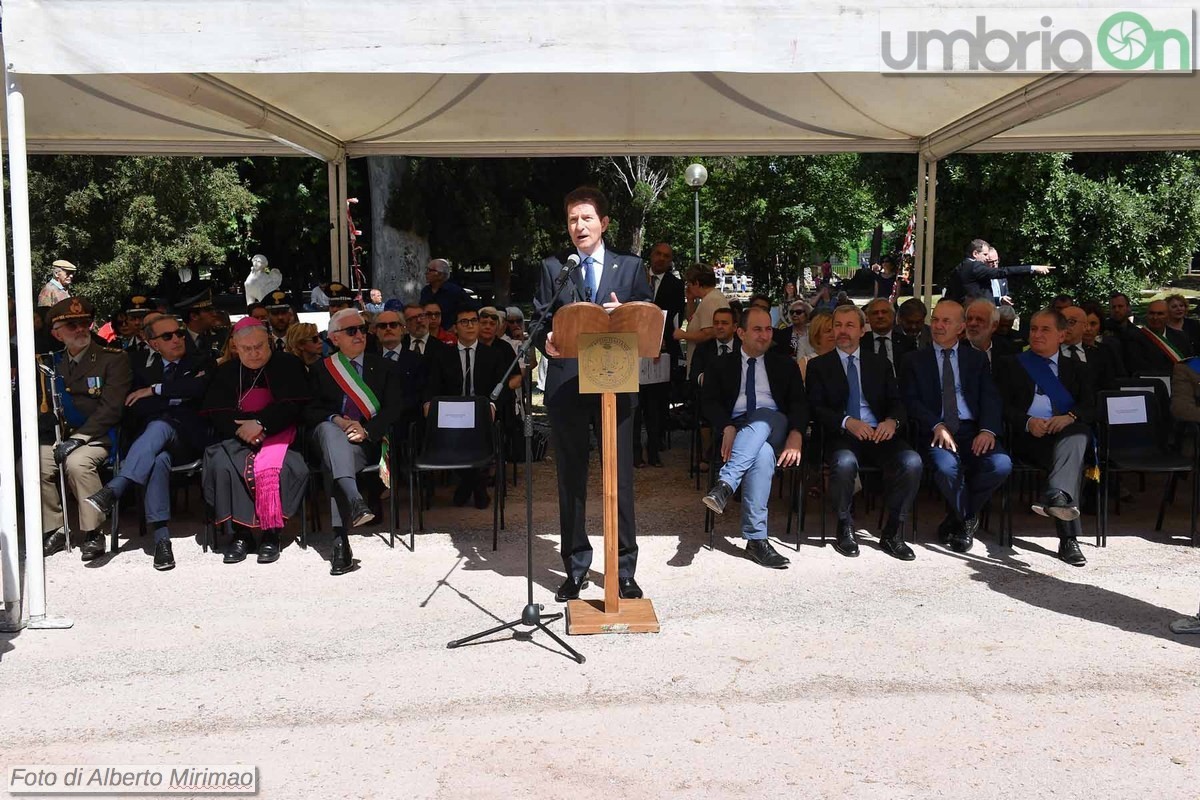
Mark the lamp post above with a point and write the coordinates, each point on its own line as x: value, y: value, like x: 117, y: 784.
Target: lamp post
x: 695, y: 176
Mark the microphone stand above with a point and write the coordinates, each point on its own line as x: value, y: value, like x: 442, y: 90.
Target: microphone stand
x: 531, y: 615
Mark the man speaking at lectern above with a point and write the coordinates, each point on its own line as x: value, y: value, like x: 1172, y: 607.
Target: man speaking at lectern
x: 595, y: 274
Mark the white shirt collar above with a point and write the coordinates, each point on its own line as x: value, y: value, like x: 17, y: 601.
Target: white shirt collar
x: 598, y: 255
x: 843, y: 355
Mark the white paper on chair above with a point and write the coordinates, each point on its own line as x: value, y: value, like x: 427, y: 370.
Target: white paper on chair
x: 453, y: 414
x: 1126, y: 410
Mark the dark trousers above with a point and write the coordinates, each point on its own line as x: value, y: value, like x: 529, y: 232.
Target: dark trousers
x: 340, y: 458
x: 965, y: 479
x: 901, y: 474
x: 651, y: 410
x: 569, y: 433
x: 1061, y: 455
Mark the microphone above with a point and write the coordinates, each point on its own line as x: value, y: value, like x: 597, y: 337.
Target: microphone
x: 572, y: 263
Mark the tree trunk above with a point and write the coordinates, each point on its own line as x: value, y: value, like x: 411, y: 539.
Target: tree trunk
x: 876, y: 244
x: 398, y: 258
x: 502, y: 281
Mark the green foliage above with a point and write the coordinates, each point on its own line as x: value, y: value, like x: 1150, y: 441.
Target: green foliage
x: 1107, y: 221
x: 125, y: 221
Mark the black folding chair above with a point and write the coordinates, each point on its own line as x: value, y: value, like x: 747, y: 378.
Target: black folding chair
x: 459, y: 434
x: 1133, y: 437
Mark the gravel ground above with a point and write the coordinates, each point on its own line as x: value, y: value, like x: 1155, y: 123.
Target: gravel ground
x: 999, y: 674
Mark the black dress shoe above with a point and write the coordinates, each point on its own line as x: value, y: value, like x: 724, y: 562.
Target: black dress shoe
x: 93, y: 546
x: 761, y: 552
x: 360, y: 512
x: 462, y: 495
x: 1068, y: 551
x: 656, y: 462
x: 946, y: 530
x: 718, y: 497
x: 238, y: 546
x: 1057, y: 504
x: 638, y: 463
x: 342, y: 560
x: 844, y: 543
x: 103, y: 501
x: 53, y: 542
x: 481, y: 497
x: 268, y: 548
x: 629, y: 589
x: 164, y: 559
x: 891, y: 541
x: 964, y: 537
x: 570, y: 589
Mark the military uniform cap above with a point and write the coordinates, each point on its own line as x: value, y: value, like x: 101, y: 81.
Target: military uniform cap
x: 71, y: 308
x: 277, y: 300
x: 196, y: 302
x: 138, y: 304
x: 64, y: 265
x: 339, y: 293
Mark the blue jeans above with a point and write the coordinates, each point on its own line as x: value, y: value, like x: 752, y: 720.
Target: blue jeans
x: 751, y: 465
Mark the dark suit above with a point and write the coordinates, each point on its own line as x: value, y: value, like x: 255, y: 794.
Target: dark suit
x: 828, y: 393
x: 973, y: 279
x: 1144, y: 356
x: 902, y: 345
x: 964, y: 479
x: 1103, y: 364
x: 488, y: 366
x: 206, y: 345
x: 414, y: 375
x: 340, y: 458
x: 1061, y: 454
x: 571, y: 413
x: 707, y: 353
x: 761, y: 434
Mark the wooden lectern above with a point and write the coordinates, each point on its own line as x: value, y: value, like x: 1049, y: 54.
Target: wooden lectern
x: 608, y: 347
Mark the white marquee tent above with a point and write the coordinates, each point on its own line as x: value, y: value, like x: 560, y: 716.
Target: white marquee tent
x: 332, y: 80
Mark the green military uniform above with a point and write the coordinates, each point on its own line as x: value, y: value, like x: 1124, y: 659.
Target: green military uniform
x: 94, y: 384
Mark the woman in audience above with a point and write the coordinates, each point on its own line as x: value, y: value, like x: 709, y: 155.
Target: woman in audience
x: 1177, y: 318
x: 304, y: 342
x: 820, y: 340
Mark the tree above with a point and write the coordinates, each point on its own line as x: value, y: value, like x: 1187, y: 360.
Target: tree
x: 125, y: 221
x: 634, y: 185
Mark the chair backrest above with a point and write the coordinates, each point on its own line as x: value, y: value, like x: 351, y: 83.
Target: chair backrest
x: 1129, y: 422
x: 1160, y: 385
x: 459, y: 430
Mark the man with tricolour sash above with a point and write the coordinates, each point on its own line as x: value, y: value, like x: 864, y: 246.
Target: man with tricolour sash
x: 1049, y: 406
x: 1156, y: 348
x: 357, y: 399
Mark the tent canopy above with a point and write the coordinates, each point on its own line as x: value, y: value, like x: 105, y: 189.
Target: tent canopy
x: 512, y: 78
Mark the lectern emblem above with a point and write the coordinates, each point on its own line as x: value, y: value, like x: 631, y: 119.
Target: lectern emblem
x: 608, y: 362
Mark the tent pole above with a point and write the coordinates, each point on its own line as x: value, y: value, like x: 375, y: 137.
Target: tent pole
x: 918, y: 277
x: 27, y: 376
x: 931, y: 214
x: 344, y: 228
x: 335, y: 248
x: 10, y: 565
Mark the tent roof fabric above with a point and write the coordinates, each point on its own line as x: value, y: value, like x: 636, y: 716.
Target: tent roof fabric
x: 322, y: 78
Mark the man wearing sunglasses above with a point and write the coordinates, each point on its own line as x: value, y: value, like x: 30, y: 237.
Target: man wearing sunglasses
x: 389, y: 332
x: 93, y: 382
x: 163, y: 416
x: 356, y: 400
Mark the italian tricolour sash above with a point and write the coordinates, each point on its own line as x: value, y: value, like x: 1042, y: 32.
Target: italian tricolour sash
x: 1163, y: 345
x: 346, y: 376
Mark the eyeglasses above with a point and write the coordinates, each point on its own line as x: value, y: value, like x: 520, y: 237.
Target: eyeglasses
x: 433, y: 314
x: 422, y: 315
x: 314, y: 340
x: 468, y: 321
x: 353, y: 330
x: 387, y: 326
x: 169, y: 335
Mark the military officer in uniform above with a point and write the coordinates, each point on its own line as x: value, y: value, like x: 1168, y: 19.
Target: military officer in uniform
x: 281, y: 317
x: 200, y: 321
x: 137, y: 306
x: 56, y: 289
x: 93, y: 382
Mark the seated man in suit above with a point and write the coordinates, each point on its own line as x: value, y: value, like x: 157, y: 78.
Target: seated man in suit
x: 469, y: 369
x: 725, y: 341
x: 949, y: 391
x: 419, y: 337
x: 1156, y: 348
x: 983, y: 318
x: 883, y: 339
x: 411, y: 367
x: 1100, y: 362
x: 1048, y: 405
x: 855, y: 399
x: 755, y: 397
x: 164, y: 414
x: 356, y: 400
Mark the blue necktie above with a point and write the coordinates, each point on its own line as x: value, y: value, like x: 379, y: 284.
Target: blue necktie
x: 169, y: 371
x: 751, y: 396
x: 589, y: 277
x: 854, y: 401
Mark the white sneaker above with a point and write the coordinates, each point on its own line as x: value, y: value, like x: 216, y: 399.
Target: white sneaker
x: 1186, y: 625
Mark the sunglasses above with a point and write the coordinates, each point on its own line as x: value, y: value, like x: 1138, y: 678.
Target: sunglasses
x: 353, y: 330
x: 492, y: 317
x: 387, y: 326
x: 314, y: 340
x: 799, y: 312
x: 169, y: 335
